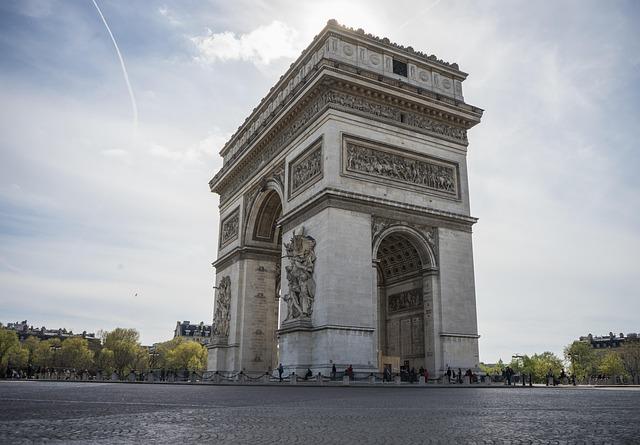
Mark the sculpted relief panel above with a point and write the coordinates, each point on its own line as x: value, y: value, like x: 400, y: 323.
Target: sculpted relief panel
x: 302, y: 287
x: 230, y: 226
x: 404, y: 301
x: 378, y: 162
x: 222, y: 314
x: 305, y: 170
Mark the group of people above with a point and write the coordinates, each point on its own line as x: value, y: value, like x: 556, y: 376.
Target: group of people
x: 456, y: 377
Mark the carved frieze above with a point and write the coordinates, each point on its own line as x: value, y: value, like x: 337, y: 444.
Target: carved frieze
x: 306, y: 169
x: 222, y: 313
x: 345, y: 100
x: 378, y: 162
x: 404, y: 301
x: 302, y: 286
x: 230, y: 227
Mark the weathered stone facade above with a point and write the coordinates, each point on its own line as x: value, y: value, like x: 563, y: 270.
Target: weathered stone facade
x: 346, y: 231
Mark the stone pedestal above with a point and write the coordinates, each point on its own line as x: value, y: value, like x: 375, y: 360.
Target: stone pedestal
x: 346, y: 380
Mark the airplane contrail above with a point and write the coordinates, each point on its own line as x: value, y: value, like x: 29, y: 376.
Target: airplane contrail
x: 134, y: 106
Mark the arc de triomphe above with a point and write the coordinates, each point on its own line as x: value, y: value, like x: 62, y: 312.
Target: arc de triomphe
x: 345, y: 233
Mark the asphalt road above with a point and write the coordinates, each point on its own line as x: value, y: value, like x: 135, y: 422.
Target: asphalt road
x: 35, y: 412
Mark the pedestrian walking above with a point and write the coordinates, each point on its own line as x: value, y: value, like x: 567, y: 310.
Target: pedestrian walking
x: 333, y: 372
x: 280, y: 371
x: 448, y: 375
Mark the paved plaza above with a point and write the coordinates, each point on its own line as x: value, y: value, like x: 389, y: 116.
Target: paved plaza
x: 162, y: 413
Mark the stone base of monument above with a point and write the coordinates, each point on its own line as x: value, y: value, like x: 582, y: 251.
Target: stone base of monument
x: 296, y: 344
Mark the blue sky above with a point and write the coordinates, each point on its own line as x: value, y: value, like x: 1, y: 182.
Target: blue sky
x: 94, y: 210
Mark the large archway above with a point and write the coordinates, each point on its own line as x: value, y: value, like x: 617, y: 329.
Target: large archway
x: 404, y: 265
x: 264, y: 233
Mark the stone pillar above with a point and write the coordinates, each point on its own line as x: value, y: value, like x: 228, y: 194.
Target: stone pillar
x: 346, y: 380
x: 342, y: 325
x: 293, y: 378
x: 432, y: 322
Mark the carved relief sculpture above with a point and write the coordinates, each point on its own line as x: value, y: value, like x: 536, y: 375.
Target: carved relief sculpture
x: 302, y: 287
x: 411, y: 299
x: 229, y: 230
x: 222, y: 314
x: 379, y: 163
x: 304, y: 170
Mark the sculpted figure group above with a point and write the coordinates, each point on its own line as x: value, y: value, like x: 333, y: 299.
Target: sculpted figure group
x: 379, y: 163
x: 306, y: 170
x: 302, y: 287
x: 222, y: 313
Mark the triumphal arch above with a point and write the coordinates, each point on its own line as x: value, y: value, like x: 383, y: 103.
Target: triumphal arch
x: 345, y: 234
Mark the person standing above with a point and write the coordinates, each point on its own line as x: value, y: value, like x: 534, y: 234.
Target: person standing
x: 333, y: 372
x: 448, y: 375
x: 280, y: 371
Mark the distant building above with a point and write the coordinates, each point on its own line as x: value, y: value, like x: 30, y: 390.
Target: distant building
x: 24, y: 331
x: 609, y: 341
x: 196, y: 332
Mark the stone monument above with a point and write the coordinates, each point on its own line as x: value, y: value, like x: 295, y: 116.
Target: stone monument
x: 345, y: 234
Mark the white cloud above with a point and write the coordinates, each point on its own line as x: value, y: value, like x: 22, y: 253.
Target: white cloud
x: 171, y: 18
x: 205, y: 148
x: 260, y: 46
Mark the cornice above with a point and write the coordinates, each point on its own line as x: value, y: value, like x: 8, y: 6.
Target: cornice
x: 284, y: 90
x: 333, y: 197
x: 388, y: 104
x: 245, y: 252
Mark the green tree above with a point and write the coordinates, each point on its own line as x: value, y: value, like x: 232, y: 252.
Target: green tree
x: 125, y: 354
x: 75, y: 353
x: 540, y: 364
x: 8, y: 343
x: 630, y: 354
x: 496, y: 369
x: 18, y: 357
x: 188, y: 355
x: 31, y: 343
x: 45, y: 353
x: 611, y: 365
x: 105, y: 361
x: 582, y: 358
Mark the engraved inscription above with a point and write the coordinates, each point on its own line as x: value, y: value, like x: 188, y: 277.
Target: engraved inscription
x: 305, y: 170
x: 403, y: 301
x: 379, y: 163
x: 230, y: 228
